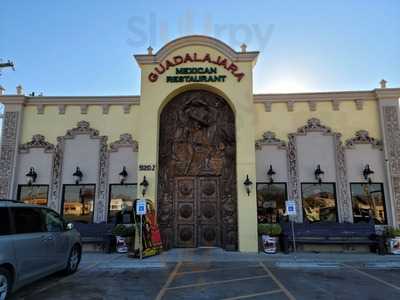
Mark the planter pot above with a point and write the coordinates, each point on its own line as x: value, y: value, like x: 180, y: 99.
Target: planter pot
x: 121, y: 244
x: 269, y: 244
x: 394, y: 245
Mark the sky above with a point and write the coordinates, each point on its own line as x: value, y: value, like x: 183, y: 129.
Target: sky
x: 86, y: 47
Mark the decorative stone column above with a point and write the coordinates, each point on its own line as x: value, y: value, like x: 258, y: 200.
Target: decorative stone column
x: 390, y: 125
x: 9, y: 147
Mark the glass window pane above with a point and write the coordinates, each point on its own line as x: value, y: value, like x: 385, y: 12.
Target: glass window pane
x: 4, y: 221
x: 33, y: 194
x: 28, y: 220
x: 368, y: 201
x: 271, y: 199
x: 319, y: 202
x: 79, y: 203
x: 122, y: 197
x: 53, y: 222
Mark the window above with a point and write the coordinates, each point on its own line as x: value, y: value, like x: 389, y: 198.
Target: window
x: 5, y: 227
x: 121, y: 197
x: 28, y: 220
x: 319, y: 202
x: 33, y: 194
x: 368, y: 201
x: 78, y: 202
x: 53, y: 221
x: 271, y: 199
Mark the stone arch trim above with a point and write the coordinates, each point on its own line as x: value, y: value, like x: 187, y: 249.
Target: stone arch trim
x: 342, y: 189
x: 125, y: 140
x: 362, y: 137
x: 269, y: 138
x: 82, y: 128
x: 38, y: 141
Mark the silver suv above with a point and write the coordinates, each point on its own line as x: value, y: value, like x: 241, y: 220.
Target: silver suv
x: 34, y: 242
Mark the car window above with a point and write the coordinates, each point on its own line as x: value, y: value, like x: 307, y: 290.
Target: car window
x: 53, y: 222
x: 5, y: 227
x: 28, y: 220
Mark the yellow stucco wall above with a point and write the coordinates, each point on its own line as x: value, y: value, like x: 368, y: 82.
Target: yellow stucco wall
x: 51, y: 124
x: 154, y: 95
x: 346, y: 121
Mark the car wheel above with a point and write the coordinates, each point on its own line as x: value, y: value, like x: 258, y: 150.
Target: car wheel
x: 5, y: 283
x: 73, y: 260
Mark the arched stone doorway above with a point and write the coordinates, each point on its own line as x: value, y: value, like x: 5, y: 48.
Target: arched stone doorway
x: 197, y: 201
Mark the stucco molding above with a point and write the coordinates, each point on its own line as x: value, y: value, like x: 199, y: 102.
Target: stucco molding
x: 82, y: 128
x: 362, y: 137
x: 268, y: 139
x: 343, y: 194
x: 392, y: 143
x: 196, y: 40
x: 8, y: 151
x: 314, y: 125
x: 294, y: 182
x: 125, y: 140
x: 345, y: 208
x: 38, y: 141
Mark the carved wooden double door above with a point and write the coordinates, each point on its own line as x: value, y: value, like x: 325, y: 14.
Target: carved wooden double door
x: 197, y: 219
x: 196, y: 199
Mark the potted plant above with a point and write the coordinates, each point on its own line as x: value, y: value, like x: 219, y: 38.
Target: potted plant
x: 269, y: 234
x: 124, y: 237
x: 393, y: 239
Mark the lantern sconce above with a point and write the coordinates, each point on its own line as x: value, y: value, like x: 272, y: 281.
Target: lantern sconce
x: 367, y: 172
x: 248, y: 184
x: 271, y: 174
x: 31, y: 176
x: 77, y: 175
x: 123, y: 175
x: 144, y: 184
x: 319, y: 174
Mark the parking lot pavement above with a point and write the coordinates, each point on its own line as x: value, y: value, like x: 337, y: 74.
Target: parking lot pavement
x: 116, y: 277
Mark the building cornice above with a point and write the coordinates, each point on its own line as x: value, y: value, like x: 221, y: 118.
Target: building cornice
x: 70, y: 100
x: 196, y: 40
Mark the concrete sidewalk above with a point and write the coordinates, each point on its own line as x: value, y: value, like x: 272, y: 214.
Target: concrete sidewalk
x: 219, y: 255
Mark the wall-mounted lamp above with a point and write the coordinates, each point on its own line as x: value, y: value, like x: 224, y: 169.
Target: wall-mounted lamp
x: 319, y: 174
x: 248, y: 184
x: 31, y: 176
x: 144, y: 184
x: 367, y: 172
x: 271, y: 174
x: 123, y: 175
x: 77, y: 175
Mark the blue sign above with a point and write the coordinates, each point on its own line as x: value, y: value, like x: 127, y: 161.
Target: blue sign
x: 141, y: 207
x: 291, y: 208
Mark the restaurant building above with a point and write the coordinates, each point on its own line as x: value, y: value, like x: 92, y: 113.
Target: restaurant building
x: 195, y: 139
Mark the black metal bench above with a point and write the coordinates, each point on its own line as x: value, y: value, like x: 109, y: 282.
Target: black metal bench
x: 333, y: 233
x: 96, y: 233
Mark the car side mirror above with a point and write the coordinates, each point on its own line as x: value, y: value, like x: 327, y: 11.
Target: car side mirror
x: 69, y: 226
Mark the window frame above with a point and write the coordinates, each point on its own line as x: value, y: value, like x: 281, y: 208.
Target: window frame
x: 19, y: 190
x: 336, y: 200
x: 275, y: 182
x: 109, y: 195
x: 383, y: 195
x: 63, y: 199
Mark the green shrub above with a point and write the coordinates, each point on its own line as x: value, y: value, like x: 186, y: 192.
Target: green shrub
x: 391, y: 232
x: 122, y: 230
x: 269, y: 229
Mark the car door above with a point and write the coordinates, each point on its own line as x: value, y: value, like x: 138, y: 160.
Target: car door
x: 58, y: 241
x: 30, y: 242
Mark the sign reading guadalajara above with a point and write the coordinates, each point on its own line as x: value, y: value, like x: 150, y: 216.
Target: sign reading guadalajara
x: 196, y: 74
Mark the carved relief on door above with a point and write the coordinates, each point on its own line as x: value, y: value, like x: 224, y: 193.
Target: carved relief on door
x: 197, y: 175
